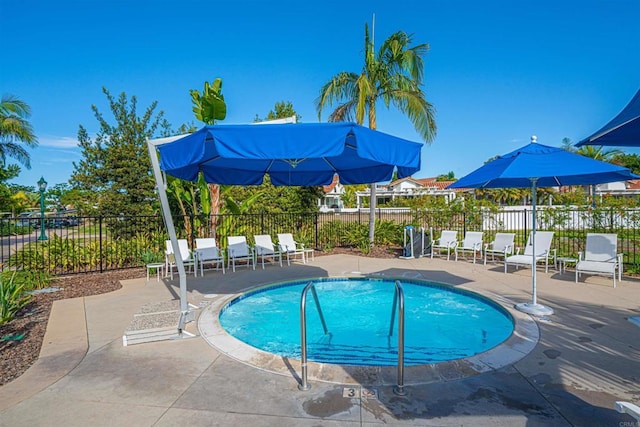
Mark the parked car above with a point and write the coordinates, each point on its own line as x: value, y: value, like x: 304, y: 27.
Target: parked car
x: 69, y: 217
x: 28, y: 219
x: 63, y: 219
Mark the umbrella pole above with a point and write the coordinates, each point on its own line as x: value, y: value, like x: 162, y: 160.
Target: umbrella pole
x: 185, y: 314
x: 534, y: 200
x: 533, y: 307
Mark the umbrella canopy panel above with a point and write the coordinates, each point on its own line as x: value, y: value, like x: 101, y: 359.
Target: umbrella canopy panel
x: 623, y: 130
x: 292, y: 154
x: 549, y: 166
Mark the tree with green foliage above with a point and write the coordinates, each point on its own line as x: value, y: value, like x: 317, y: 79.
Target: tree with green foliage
x: 16, y: 132
x: 567, y: 144
x: 18, y: 187
x: 115, y: 168
x: 60, y: 196
x: 596, y: 152
x: 349, y: 198
x: 280, y: 198
x: 631, y: 161
x: 65, y: 196
x: 393, y: 75
x: 451, y: 176
x: 16, y: 135
x: 7, y: 201
x: 281, y: 110
x: 209, y: 107
x: 276, y: 199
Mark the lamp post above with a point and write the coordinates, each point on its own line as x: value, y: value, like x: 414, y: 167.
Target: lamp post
x: 42, y: 186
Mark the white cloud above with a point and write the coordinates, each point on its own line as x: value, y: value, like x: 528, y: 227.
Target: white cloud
x: 63, y: 142
x: 69, y: 157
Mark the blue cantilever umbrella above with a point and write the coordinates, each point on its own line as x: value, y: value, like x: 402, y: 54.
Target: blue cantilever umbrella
x: 537, y: 165
x: 305, y: 154
x: 302, y: 154
x: 623, y: 130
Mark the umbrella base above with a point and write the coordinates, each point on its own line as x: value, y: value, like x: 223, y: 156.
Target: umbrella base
x: 534, y: 309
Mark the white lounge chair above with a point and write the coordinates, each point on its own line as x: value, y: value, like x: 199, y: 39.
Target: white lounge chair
x: 290, y: 247
x: 207, y: 252
x: 188, y: 260
x: 448, y: 240
x: 543, y: 252
x: 239, y: 250
x: 600, y: 256
x: 472, y: 243
x: 264, y: 249
x: 502, y: 245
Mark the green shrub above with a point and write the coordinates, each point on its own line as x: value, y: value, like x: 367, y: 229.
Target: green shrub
x: 63, y: 254
x: 150, y: 256
x: 388, y: 233
x: 30, y: 280
x: 12, y: 299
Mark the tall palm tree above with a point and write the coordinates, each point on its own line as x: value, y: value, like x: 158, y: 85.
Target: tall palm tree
x: 596, y: 152
x: 15, y: 130
x: 393, y: 75
x: 599, y: 153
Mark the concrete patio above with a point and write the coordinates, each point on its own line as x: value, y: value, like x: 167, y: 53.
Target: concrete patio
x: 587, y: 357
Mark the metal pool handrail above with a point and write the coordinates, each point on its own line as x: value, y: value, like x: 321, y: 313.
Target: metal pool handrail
x: 398, y: 301
x: 304, y: 385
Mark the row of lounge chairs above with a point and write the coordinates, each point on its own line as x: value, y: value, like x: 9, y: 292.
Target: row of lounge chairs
x: 599, y: 257
x: 238, y: 251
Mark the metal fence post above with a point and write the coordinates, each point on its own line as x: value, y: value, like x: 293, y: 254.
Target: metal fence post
x: 100, y: 243
x: 611, y: 219
x: 464, y: 224
x: 526, y: 217
x: 315, y: 218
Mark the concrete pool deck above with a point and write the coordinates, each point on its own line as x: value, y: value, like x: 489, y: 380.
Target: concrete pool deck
x: 587, y: 357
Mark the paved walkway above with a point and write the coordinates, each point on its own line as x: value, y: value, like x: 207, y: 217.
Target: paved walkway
x: 588, y: 357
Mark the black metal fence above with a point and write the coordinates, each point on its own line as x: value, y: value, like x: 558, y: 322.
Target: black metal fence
x: 97, y: 244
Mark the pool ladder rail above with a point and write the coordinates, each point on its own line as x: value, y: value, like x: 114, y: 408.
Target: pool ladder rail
x: 398, y: 304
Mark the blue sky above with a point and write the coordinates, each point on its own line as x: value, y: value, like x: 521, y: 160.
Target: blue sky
x: 497, y: 71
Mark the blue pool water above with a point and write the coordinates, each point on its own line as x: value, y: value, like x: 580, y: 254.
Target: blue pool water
x: 441, y: 323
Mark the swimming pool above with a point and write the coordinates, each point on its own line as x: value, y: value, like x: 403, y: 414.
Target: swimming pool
x: 442, y: 323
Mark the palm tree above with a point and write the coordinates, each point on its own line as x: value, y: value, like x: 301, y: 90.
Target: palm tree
x: 599, y: 153
x: 393, y: 75
x: 596, y: 152
x: 15, y: 130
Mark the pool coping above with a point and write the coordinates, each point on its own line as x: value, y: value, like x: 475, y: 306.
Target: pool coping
x: 522, y: 341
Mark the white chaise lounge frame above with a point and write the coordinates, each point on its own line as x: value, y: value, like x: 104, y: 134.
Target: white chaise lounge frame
x: 239, y: 250
x: 448, y: 240
x: 543, y: 252
x: 502, y: 245
x: 265, y: 248
x: 600, y: 256
x: 208, y: 252
x: 472, y: 243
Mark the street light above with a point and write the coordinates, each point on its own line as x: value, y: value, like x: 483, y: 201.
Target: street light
x: 42, y: 186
